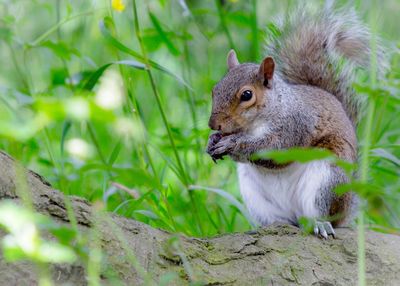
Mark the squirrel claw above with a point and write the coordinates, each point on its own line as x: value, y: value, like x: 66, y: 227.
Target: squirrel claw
x: 215, y: 158
x: 215, y: 148
x: 324, y: 229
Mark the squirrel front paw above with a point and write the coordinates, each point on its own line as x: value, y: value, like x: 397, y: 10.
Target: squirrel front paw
x: 219, y: 145
x: 212, y: 140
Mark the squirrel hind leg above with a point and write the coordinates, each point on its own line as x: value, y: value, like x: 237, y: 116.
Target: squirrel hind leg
x: 323, y: 229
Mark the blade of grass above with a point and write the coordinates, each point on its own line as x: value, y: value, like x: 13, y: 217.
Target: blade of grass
x: 254, y: 30
x: 190, y: 97
x: 95, y: 254
x: 157, y: 25
x: 66, y: 127
x: 96, y: 143
x: 113, y: 41
x: 365, y: 152
x: 163, y: 115
x: 115, y: 152
x: 222, y: 19
x: 231, y: 199
x: 92, y: 80
x: 55, y: 28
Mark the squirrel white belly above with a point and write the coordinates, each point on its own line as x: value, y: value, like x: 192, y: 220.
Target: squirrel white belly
x: 300, y: 95
x: 282, y: 195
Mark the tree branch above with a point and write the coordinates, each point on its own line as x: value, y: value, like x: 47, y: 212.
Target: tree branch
x: 277, y: 255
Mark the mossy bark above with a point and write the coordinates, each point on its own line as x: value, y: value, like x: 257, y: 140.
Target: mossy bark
x: 277, y: 255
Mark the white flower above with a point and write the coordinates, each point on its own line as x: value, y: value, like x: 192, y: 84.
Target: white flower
x: 79, y: 148
x: 129, y: 129
x: 78, y: 108
x: 111, y: 92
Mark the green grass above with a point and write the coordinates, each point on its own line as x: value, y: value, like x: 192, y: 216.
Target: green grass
x: 145, y: 158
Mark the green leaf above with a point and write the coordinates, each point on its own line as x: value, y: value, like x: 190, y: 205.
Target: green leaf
x: 363, y: 189
x: 55, y: 253
x: 231, y: 199
x: 240, y: 18
x: 107, y: 22
x: 156, y: 23
x: 151, y: 39
x: 273, y: 30
x: 6, y: 34
x: 66, y: 127
x: 92, y: 80
x: 11, y: 251
x: 61, y: 49
x: 301, y: 155
x: 382, y: 153
x: 24, y: 241
x: 307, y: 224
x: 115, y: 153
x: 64, y: 234
x: 59, y: 76
x: 137, y: 176
x: 147, y: 213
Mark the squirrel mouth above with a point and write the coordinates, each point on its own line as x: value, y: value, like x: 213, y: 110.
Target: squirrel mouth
x: 231, y: 132
x: 226, y: 134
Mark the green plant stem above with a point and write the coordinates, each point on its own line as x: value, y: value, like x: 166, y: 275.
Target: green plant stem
x: 190, y: 99
x: 364, y: 179
x: 145, y: 152
x: 185, y: 178
x: 222, y: 19
x: 157, y: 96
x: 44, y: 275
x: 53, y: 29
x: 60, y: 172
x: 365, y: 154
x: 95, y: 255
x: 254, y: 30
x: 128, y: 85
x: 96, y: 143
x: 17, y: 67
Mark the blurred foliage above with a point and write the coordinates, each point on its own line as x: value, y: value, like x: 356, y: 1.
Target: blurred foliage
x: 24, y: 241
x: 114, y: 107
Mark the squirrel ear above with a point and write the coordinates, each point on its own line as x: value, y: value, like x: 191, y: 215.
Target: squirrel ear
x: 232, y: 60
x: 266, y: 72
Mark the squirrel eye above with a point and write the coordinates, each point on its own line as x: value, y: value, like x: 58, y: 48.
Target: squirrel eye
x: 246, y: 95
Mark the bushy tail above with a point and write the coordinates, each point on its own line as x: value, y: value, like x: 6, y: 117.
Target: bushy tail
x: 323, y: 50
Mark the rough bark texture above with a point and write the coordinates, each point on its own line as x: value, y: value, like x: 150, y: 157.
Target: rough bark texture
x: 277, y: 255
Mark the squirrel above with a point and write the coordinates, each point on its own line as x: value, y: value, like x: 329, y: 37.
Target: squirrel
x: 299, y: 96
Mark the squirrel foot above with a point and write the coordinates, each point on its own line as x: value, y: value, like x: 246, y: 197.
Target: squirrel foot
x: 323, y: 229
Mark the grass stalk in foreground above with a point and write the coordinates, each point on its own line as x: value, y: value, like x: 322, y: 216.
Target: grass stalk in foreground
x: 156, y: 95
x: 184, y: 175
x: 365, y: 151
x: 222, y: 19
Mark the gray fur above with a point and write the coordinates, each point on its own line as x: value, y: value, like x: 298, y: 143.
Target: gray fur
x: 287, y: 111
x: 327, y: 197
x: 311, y: 49
x: 232, y: 60
x: 224, y: 91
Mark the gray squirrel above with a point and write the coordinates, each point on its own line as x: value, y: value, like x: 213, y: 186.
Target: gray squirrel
x: 299, y: 96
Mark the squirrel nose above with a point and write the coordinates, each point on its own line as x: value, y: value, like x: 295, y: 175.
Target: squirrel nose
x: 213, y: 124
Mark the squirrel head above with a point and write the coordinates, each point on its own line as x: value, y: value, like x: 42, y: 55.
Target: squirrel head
x: 238, y: 97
